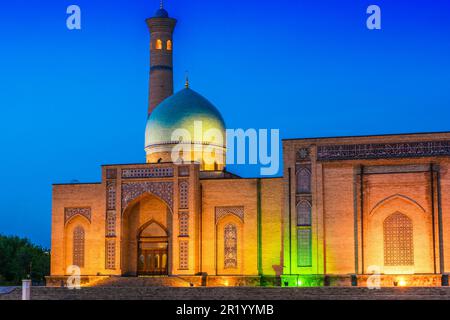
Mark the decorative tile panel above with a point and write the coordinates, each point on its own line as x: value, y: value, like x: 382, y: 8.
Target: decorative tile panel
x: 111, y: 174
x: 78, y: 247
x: 111, y: 254
x: 384, y: 150
x: 69, y: 213
x: 230, y: 246
x: 111, y: 224
x: 223, y: 211
x: 144, y: 173
x: 111, y: 195
x: 184, y: 255
x: 132, y: 190
x: 111, y: 216
x: 183, y: 195
x: 303, y: 155
x: 184, y: 224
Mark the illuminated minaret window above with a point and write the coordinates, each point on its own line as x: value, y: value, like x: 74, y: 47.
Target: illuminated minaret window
x: 161, y: 28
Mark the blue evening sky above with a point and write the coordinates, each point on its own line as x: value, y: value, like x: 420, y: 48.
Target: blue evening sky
x: 74, y: 100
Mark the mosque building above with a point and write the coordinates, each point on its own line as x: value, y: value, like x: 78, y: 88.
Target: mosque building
x: 345, y: 207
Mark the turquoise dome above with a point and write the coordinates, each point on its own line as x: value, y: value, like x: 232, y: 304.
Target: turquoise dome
x: 180, y: 111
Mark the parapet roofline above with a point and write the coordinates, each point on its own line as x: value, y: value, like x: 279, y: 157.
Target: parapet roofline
x: 370, y: 136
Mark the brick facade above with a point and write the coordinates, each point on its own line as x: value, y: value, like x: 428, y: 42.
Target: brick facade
x: 328, y: 217
x: 354, y: 196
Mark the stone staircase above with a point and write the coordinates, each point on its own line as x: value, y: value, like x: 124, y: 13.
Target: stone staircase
x: 101, y: 293
x: 230, y: 293
x: 142, y: 282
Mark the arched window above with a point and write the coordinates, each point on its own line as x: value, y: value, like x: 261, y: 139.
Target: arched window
x: 78, y: 246
x: 230, y: 247
x: 303, y: 214
x: 169, y: 45
x: 158, y: 44
x: 303, y: 179
x: 398, y: 240
x: 304, y: 240
x: 304, y: 247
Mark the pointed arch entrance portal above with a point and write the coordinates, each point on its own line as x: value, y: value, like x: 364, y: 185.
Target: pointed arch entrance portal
x: 146, y: 237
x: 153, y: 250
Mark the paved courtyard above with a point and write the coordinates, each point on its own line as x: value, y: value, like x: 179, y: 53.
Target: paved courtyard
x: 160, y: 293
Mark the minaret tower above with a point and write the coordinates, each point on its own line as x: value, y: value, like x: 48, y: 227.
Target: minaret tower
x: 161, y: 28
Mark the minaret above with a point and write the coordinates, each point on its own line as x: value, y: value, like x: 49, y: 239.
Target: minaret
x: 161, y: 28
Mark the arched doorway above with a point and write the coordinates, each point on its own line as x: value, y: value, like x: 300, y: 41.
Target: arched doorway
x: 153, y: 250
x: 146, y: 244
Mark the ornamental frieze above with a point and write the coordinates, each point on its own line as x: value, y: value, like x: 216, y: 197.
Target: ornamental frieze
x: 69, y: 213
x: 384, y: 150
x: 145, y: 173
x: 133, y: 190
